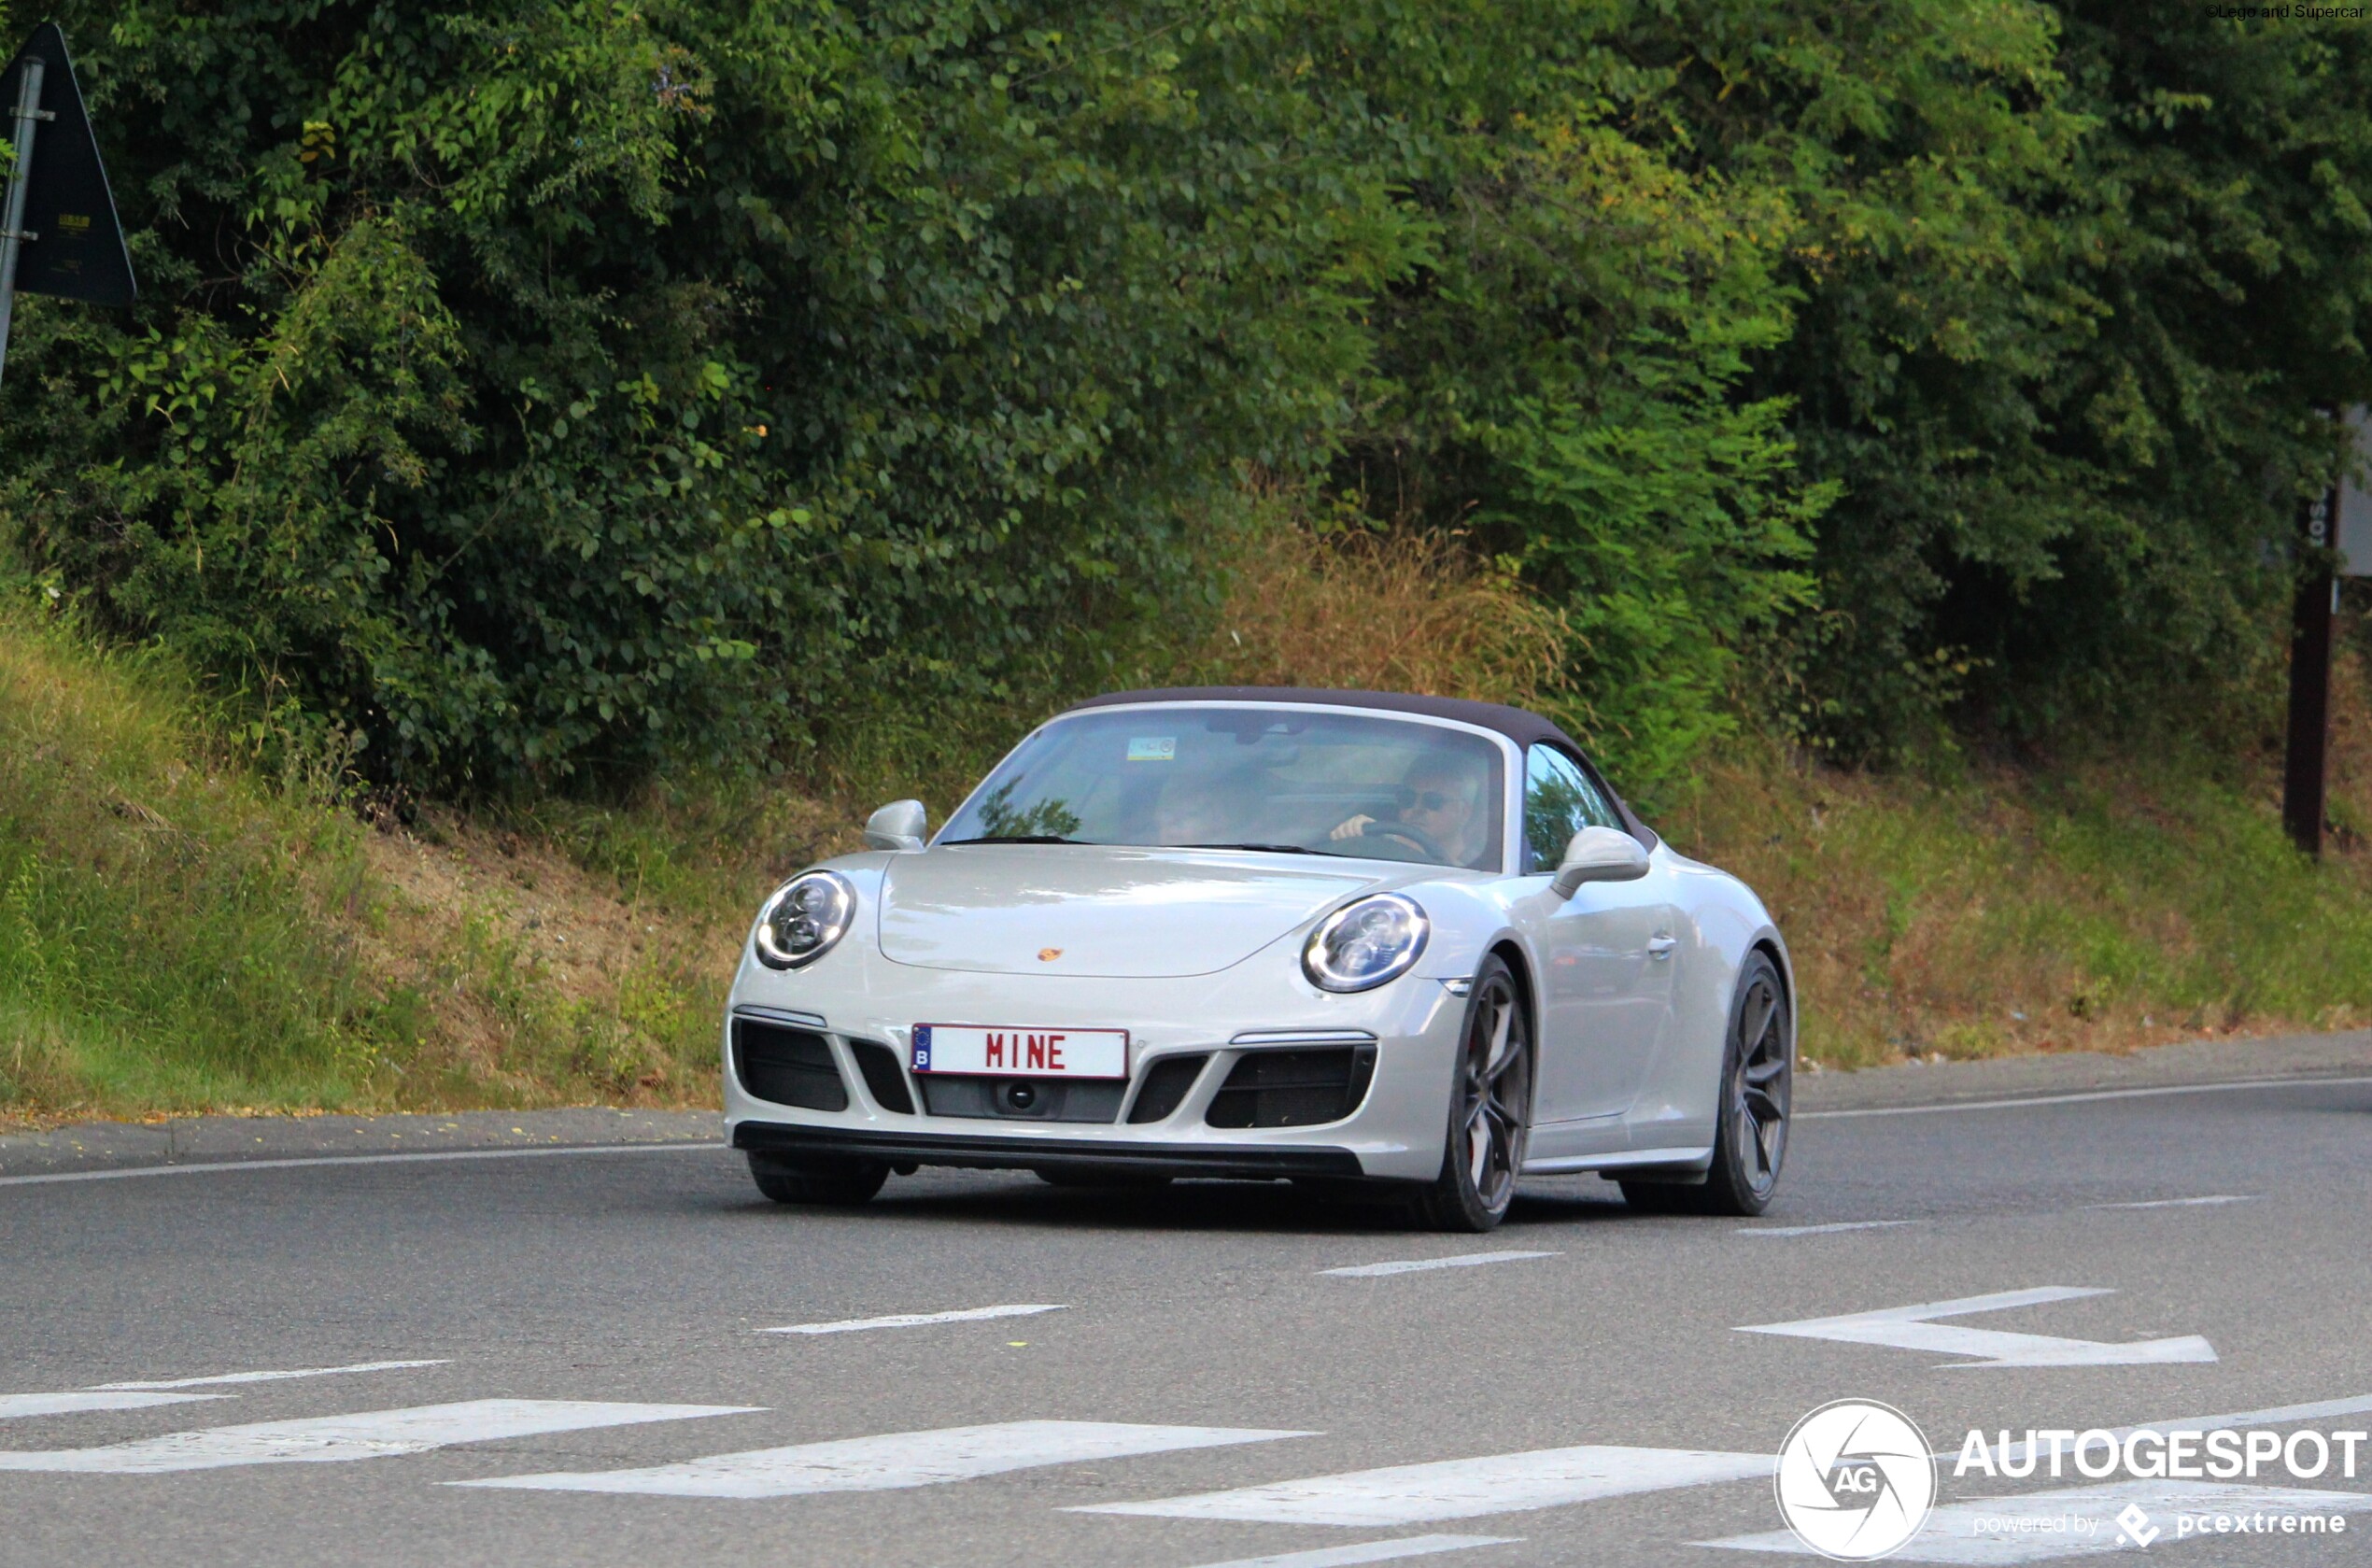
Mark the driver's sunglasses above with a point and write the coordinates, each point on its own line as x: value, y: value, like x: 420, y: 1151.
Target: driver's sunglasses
x: 1430, y: 799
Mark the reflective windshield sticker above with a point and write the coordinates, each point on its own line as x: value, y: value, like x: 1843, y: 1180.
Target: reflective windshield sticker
x: 1152, y: 748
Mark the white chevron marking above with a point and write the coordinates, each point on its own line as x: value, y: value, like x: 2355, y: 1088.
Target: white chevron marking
x: 367, y: 1434
x: 892, y: 1460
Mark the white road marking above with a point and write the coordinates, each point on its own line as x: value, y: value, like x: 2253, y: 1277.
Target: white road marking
x: 913, y: 1320
x: 213, y: 1168
x: 1370, y: 1552
x: 14, y: 1405
x: 366, y: 1434
x: 891, y: 1462
x: 1822, y: 1230
x: 1413, y: 1265
x: 1457, y: 1488
x: 2181, y: 1203
x: 276, y: 1377
x: 2081, y: 1520
x: 1913, y: 1328
x: 2087, y: 1096
x: 2275, y: 1415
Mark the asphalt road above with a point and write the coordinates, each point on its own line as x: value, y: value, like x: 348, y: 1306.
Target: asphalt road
x: 1201, y: 1347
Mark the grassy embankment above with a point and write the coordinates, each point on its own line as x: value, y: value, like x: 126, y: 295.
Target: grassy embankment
x: 177, y: 934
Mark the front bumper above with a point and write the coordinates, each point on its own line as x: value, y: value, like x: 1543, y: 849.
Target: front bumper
x: 856, y: 997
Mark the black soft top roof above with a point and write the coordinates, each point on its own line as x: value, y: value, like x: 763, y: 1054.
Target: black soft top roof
x: 1518, y: 725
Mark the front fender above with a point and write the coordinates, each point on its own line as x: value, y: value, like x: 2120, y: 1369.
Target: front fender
x: 1720, y: 924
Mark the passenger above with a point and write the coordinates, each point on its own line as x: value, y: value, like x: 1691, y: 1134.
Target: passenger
x: 1206, y: 809
x: 1442, y: 800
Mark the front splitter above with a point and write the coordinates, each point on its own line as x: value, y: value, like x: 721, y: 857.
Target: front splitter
x: 1027, y: 1153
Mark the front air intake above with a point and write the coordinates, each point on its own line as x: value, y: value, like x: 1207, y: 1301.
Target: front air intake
x: 1166, y: 1083
x: 1293, y: 1088
x: 883, y: 1081
x: 787, y: 1066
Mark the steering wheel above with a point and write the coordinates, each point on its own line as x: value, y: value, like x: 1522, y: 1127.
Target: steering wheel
x: 1415, y: 838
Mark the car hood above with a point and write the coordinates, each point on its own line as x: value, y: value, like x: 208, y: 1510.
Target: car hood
x: 1083, y: 910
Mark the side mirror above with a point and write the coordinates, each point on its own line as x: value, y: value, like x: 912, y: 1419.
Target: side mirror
x: 901, y: 825
x: 1598, y: 854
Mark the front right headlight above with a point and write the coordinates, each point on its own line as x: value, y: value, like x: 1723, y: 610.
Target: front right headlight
x: 803, y: 919
x: 1365, y: 943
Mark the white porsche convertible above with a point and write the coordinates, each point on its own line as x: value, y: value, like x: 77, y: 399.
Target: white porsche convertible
x: 1341, y: 936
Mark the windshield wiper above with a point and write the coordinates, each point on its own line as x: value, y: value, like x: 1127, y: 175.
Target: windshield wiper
x: 1272, y: 849
x: 1019, y: 839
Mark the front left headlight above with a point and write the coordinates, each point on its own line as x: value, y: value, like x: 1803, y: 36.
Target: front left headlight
x: 1365, y: 944
x: 803, y: 919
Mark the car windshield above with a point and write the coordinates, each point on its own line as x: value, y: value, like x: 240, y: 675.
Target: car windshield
x: 1286, y: 780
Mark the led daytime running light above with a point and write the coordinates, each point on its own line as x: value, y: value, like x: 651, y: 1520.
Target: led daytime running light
x: 803, y: 919
x: 1365, y: 944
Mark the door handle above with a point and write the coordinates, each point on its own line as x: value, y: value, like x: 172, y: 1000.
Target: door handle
x: 1660, y: 946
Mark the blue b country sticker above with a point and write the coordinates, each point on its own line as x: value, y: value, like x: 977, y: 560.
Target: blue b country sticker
x: 1152, y: 748
x: 922, y: 1047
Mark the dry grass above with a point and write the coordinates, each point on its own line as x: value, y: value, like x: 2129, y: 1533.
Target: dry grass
x: 175, y: 936
x: 2099, y: 905
x: 1381, y: 612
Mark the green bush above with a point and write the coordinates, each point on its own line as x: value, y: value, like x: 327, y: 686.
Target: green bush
x: 543, y: 387
x: 543, y: 390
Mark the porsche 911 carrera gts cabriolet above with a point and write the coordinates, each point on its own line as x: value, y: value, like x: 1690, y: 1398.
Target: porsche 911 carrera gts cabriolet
x: 1408, y: 942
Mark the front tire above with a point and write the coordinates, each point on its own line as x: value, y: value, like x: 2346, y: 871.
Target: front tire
x: 1489, y: 1110
x: 839, y: 1182
x: 1757, y: 1093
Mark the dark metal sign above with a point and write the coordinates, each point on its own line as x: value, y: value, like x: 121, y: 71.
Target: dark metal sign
x: 73, y: 246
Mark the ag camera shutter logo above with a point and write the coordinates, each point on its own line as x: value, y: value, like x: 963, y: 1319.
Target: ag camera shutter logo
x: 1855, y: 1481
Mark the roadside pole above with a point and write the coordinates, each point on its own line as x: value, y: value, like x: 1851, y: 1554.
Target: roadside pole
x: 28, y: 115
x: 2337, y: 526
x: 2302, y: 776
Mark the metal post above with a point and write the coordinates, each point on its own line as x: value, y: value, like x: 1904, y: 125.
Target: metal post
x: 2310, y: 680
x: 12, y: 235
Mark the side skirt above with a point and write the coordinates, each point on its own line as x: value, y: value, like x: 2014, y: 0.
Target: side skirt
x: 1680, y: 1163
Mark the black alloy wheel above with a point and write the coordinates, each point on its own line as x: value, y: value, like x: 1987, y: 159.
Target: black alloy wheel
x: 839, y: 1180
x: 1758, y: 1089
x: 1489, y: 1109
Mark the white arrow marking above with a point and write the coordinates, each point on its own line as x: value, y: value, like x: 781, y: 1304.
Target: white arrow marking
x: 913, y: 1319
x: 1414, y: 1265
x: 276, y: 1377
x: 12, y: 1405
x: 1370, y: 1552
x: 891, y: 1462
x: 1914, y: 1328
x: 367, y: 1434
x: 1457, y: 1488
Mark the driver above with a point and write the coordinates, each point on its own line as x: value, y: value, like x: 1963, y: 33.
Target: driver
x: 1441, y: 798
